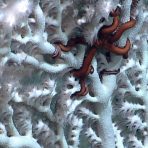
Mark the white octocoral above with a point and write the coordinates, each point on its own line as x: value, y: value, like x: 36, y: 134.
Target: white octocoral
x: 37, y: 105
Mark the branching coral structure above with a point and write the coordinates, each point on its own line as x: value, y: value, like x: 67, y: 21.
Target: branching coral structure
x: 73, y: 74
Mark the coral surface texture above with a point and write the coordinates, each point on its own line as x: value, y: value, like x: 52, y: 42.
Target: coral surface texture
x: 73, y: 73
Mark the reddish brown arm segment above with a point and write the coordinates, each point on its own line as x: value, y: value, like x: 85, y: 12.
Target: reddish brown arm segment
x: 72, y: 43
x: 65, y: 48
x: 111, y: 28
x: 106, y: 38
x: 122, y: 29
x: 84, y: 89
x: 84, y: 70
x: 118, y: 50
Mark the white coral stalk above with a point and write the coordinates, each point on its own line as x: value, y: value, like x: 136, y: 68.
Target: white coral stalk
x: 84, y: 112
x: 105, y: 128
x: 76, y: 128
x: 23, y: 58
x: 118, y: 137
x: 134, y: 142
x: 94, y: 140
x: 129, y: 108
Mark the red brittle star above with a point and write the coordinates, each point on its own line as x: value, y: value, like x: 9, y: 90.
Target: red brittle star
x: 107, y: 35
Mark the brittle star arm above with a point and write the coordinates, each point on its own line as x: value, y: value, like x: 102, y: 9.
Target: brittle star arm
x: 112, y: 27
x: 85, y: 69
x: 84, y: 89
x: 105, y: 30
x: 71, y: 43
x: 109, y: 29
x: 118, y: 50
x: 122, y: 29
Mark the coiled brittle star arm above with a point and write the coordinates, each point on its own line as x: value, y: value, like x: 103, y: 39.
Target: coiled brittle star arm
x: 118, y: 50
x: 107, y: 35
x: 122, y: 29
x: 84, y: 71
x: 109, y: 29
